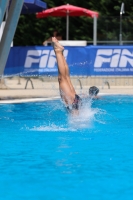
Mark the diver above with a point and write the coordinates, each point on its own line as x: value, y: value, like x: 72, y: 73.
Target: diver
x: 67, y: 92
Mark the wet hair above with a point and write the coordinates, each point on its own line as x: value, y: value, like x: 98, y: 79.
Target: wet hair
x: 57, y: 33
x: 93, y: 91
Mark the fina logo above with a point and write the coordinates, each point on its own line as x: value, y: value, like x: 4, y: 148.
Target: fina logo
x: 115, y: 57
x: 42, y: 58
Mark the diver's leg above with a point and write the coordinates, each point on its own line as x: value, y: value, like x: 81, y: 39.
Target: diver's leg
x: 67, y: 92
x: 68, y: 75
x: 66, y: 68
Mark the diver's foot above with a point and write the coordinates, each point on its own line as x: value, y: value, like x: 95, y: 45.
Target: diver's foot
x: 57, y: 46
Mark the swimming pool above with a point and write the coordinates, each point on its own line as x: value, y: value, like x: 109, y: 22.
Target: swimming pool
x: 46, y: 154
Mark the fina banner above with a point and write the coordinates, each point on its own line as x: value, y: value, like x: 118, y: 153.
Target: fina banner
x: 111, y: 60
x: 40, y: 60
x: 86, y: 61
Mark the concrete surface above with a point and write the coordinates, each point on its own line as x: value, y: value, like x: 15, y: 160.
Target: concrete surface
x: 47, y: 87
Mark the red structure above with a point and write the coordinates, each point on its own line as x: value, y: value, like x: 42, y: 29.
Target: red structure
x: 66, y: 11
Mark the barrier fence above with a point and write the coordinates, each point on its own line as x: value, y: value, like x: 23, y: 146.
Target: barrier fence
x: 110, y: 28
x: 82, y: 61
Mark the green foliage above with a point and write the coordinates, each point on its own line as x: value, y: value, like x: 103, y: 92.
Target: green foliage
x: 33, y: 31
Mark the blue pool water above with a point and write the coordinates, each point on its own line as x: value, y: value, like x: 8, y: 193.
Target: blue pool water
x: 47, y: 155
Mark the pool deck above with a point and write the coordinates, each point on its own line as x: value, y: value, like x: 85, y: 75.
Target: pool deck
x: 15, y: 90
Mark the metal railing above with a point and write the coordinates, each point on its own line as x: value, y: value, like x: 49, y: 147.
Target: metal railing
x: 113, y: 42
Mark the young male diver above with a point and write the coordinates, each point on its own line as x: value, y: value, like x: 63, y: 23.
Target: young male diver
x: 70, y: 98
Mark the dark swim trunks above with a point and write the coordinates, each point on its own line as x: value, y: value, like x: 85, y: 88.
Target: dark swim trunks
x: 76, y: 103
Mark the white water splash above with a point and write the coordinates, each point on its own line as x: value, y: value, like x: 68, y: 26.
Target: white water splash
x: 53, y: 127
x: 85, y: 117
